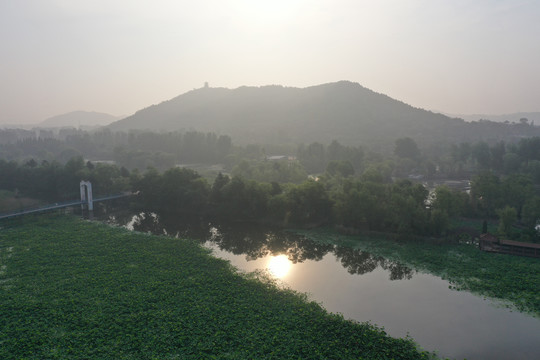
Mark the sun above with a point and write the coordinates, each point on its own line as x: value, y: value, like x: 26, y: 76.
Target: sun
x: 267, y: 13
x: 279, y: 266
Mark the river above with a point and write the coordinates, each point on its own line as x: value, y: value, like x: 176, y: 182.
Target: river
x: 363, y: 287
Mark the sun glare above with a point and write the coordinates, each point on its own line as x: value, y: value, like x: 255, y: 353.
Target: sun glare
x: 279, y: 266
x: 262, y: 13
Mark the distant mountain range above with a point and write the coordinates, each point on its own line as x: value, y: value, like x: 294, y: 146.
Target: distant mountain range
x: 511, y: 118
x: 78, y: 119
x: 343, y: 111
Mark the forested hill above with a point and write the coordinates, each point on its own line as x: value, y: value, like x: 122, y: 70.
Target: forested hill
x: 342, y: 111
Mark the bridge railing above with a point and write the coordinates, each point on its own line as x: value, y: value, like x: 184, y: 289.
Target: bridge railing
x: 59, y: 205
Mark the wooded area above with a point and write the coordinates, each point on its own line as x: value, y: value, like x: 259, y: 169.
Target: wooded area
x: 352, y: 187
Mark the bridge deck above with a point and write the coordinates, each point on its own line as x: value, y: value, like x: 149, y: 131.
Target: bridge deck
x: 60, y: 206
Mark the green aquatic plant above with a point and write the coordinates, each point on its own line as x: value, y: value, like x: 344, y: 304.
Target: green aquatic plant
x: 72, y: 289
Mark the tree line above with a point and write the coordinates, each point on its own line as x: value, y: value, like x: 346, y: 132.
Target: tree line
x: 354, y: 187
x: 133, y: 150
x: 368, y: 202
x: 55, y: 182
x: 143, y: 149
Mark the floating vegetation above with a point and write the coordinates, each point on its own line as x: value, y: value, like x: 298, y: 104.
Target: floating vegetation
x: 86, y: 290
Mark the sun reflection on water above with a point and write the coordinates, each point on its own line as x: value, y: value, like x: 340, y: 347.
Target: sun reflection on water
x: 279, y: 266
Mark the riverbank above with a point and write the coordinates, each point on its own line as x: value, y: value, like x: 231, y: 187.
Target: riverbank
x: 79, y: 289
x: 504, y: 277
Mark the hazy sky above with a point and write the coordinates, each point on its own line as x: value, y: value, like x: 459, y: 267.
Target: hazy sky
x: 456, y: 56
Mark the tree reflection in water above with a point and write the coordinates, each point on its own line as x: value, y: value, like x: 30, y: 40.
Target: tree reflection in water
x: 361, y: 262
x: 255, y: 241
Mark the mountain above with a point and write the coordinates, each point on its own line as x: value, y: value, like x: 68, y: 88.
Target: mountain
x: 343, y: 111
x: 515, y: 117
x: 78, y: 119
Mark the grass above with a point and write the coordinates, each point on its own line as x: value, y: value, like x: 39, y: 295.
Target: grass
x: 505, y: 277
x: 72, y: 289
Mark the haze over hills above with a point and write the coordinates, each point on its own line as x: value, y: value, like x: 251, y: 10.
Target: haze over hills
x: 85, y: 120
x: 342, y: 111
x: 79, y: 118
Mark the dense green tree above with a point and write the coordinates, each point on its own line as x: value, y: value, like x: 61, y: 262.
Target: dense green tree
x: 408, y: 207
x: 149, y: 186
x: 8, y: 171
x: 516, y: 190
x: 380, y: 172
x: 31, y: 163
x: 482, y: 155
x: 243, y: 169
x: 497, y: 155
x: 313, y: 157
x: 137, y: 149
x: 405, y: 167
x: 280, y: 171
x: 529, y: 149
x: 533, y: 169
x: 219, y: 182
x: 67, y: 154
x: 406, y: 148
x: 449, y: 201
x: 398, y: 207
x: 309, y: 203
x: 439, y: 221
x: 335, y: 151
x: 430, y: 169
x: 507, y: 217
x: 341, y: 168
x: 74, y: 165
x: 223, y: 147
x: 54, y: 182
x: 276, y: 188
x: 511, y: 162
x: 184, y: 190
x: 461, y: 152
x: 530, y: 214
x: 362, y: 204
x: 244, y: 199
x: 486, y: 191
x: 104, y: 179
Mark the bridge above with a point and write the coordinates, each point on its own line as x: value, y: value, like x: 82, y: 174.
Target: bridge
x: 86, y: 201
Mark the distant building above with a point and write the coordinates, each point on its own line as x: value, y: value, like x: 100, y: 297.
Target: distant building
x: 280, y: 157
x: 107, y: 162
x: 276, y: 157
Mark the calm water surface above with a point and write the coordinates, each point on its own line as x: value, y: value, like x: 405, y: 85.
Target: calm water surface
x: 364, y: 287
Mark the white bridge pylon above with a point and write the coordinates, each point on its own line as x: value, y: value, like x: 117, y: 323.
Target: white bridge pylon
x: 86, y: 189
